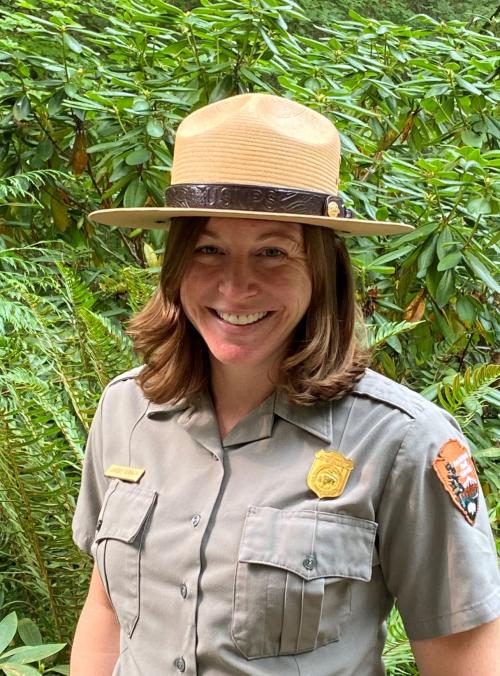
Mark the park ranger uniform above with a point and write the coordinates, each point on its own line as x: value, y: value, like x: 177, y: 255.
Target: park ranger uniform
x: 221, y: 558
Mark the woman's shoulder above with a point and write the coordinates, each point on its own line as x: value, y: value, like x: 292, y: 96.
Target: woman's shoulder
x: 375, y: 387
x: 122, y: 390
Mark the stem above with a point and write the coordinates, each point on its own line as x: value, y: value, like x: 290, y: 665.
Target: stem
x: 192, y: 42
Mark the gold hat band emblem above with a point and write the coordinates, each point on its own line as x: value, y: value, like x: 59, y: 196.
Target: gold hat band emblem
x: 329, y: 474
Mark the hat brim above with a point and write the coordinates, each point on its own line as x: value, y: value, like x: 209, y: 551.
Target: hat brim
x: 158, y: 218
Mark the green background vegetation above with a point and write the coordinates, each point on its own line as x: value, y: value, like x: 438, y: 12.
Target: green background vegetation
x: 90, y: 96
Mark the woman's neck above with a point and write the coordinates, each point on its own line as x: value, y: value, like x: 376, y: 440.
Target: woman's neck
x: 236, y: 392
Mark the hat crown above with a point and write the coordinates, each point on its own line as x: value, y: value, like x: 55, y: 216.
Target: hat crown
x: 258, y: 139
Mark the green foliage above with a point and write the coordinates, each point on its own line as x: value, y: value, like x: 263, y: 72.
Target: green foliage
x: 400, y: 11
x: 398, y: 657
x: 15, y: 661
x: 61, y: 343
x: 90, y: 97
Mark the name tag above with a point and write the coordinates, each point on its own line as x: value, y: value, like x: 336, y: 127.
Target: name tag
x: 125, y: 473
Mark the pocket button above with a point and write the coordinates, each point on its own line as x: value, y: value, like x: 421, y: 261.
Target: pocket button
x: 309, y: 562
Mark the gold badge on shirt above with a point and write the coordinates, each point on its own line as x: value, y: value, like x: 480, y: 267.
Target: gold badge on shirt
x: 329, y: 473
x: 125, y: 473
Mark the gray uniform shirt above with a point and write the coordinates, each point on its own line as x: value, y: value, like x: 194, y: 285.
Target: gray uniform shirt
x: 221, y: 559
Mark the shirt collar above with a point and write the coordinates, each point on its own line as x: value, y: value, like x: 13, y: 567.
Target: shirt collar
x: 198, y: 418
x: 315, y: 419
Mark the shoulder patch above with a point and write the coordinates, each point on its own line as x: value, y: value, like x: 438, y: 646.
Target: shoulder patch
x: 456, y: 471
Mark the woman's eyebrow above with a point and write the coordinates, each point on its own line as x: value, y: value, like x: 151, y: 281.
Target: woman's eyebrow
x: 263, y: 236
x: 279, y: 235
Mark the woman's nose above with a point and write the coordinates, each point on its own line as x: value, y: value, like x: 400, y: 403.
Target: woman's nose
x: 237, y: 279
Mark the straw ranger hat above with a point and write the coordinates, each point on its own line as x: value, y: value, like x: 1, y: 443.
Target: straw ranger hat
x: 254, y: 156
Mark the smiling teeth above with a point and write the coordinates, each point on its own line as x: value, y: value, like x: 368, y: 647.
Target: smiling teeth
x: 241, y: 319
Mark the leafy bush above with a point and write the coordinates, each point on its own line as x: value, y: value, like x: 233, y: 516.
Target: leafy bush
x: 90, y: 97
x: 15, y: 661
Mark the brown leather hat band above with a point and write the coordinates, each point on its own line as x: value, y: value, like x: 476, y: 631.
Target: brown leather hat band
x: 236, y: 197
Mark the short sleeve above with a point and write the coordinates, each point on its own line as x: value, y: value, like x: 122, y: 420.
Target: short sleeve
x: 93, y: 486
x: 439, y: 565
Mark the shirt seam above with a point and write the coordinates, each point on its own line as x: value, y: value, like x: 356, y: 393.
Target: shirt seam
x: 409, y: 431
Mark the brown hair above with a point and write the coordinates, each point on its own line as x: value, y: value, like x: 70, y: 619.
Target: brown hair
x: 324, y: 360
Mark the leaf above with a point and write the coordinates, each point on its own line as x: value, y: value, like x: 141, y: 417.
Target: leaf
x: 72, y: 43
x: 467, y: 85
x: 451, y: 260
x: 139, y: 156
x: 445, y: 288
x: 59, y: 212
x: 415, y: 310
x: 18, y: 669
x: 29, y: 632
x: 21, y: 109
x: 8, y: 628
x: 222, y: 89
x: 45, y: 149
x: 472, y: 139
x: 79, y: 157
x: 378, y: 334
x: 479, y: 205
x: 482, y: 272
x: 26, y: 654
x: 141, y: 105
x: 155, y: 129
x: 269, y: 41
x: 135, y: 194
x: 150, y: 256
x: 390, y: 256
x: 466, y: 309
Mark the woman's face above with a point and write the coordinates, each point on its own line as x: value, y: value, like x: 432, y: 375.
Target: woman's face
x: 246, y: 288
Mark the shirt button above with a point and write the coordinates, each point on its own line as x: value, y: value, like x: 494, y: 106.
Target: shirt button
x: 180, y: 664
x: 309, y: 562
x: 184, y: 590
x: 196, y: 520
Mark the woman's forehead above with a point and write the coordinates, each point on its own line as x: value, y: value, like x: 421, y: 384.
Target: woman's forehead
x: 248, y: 228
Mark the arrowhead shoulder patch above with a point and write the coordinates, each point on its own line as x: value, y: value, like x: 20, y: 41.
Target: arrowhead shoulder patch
x: 456, y: 471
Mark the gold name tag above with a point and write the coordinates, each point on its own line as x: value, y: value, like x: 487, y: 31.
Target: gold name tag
x: 132, y: 474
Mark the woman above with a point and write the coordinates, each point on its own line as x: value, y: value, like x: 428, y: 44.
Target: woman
x: 254, y: 498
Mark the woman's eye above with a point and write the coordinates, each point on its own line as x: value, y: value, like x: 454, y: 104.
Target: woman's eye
x: 208, y: 250
x: 273, y: 252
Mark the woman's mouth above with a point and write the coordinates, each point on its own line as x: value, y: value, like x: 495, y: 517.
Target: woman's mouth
x: 241, y: 319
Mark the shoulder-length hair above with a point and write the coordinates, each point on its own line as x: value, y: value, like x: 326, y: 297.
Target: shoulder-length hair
x: 324, y: 360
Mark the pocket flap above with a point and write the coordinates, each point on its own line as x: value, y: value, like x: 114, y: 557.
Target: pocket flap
x: 308, y: 543
x: 125, y: 510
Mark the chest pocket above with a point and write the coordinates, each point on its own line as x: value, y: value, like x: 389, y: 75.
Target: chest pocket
x: 118, y: 546
x: 292, y: 590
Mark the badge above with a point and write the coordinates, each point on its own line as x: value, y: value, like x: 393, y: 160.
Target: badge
x: 125, y: 473
x: 457, y: 473
x: 329, y: 473
x: 333, y: 209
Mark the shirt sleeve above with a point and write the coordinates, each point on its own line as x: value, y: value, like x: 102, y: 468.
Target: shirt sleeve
x: 93, y: 486
x: 439, y: 564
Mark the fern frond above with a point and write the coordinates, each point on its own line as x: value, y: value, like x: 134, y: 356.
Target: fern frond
x: 464, y: 395
x: 398, y: 656
x: 380, y: 333
x: 21, y: 185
